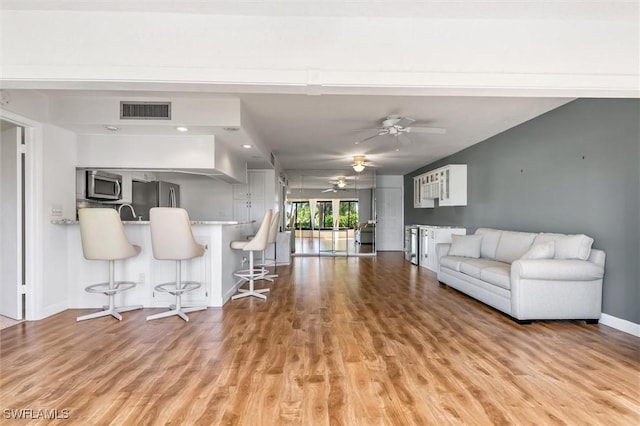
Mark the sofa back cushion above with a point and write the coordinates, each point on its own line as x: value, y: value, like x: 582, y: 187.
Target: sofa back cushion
x: 465, y: 246
x: 490, y: 239
x: 545, y: 250
x: 568, y: 246
x: 513, y: 245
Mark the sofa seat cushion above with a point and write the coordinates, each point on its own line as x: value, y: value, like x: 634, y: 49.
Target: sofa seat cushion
x: 497, y: 275
x: 473, y: 267
x: 452, y: 262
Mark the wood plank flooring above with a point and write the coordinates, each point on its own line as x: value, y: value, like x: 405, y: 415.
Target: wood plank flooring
x: 340, y: 341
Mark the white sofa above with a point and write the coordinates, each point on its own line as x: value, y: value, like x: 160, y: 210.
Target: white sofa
x: 527, y: 276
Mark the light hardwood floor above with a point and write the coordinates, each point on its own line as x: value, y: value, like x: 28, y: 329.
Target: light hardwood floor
x: 341, y: 341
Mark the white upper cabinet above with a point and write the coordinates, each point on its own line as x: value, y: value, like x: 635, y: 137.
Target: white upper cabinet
x: 453, y: 185
x: 448, y: 184
x: 251, y: 200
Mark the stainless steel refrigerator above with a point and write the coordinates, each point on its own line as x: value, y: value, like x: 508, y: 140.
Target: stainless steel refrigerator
x: 146, y: 195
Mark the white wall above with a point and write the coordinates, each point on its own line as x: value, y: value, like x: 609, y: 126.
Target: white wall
x: 203, y: 197
x: 147, y: 151
x: 58, y: 189
x: 597, y: 54
x: 233, y: 167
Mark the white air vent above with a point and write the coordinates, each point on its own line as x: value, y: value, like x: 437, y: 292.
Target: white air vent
x: 145, y: 110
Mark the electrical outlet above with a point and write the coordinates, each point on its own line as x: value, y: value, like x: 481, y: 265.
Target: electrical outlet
x: 243, y: 261
x: 141, y: 277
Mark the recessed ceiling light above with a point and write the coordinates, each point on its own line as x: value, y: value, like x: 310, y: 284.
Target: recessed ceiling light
x: 182, y: 129
x: 231, y: 129
x: 111, y: 128
x: 246, y: 146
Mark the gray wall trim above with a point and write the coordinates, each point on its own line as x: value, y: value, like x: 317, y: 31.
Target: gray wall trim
x: 575, y: 169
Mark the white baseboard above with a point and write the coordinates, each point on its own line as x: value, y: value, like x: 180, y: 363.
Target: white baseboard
x: 620, y: 324
x: 48, y: 311
x: 233, y: 290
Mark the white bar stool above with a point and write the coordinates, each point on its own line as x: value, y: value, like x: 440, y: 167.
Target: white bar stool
x: 273, y: 235
x: 103, y: 238
x: 258, y: 243
x: 172, y: 239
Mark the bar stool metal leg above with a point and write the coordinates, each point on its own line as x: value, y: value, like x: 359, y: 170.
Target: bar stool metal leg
x: 110, y: 289
x: 177, y: 289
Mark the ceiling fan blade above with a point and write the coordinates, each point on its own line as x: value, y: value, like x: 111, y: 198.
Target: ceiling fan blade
x: 328, y: 190
x: 405, y: 121
x: 370, y: 137
x: 427, y: 130
x: 367, y: 130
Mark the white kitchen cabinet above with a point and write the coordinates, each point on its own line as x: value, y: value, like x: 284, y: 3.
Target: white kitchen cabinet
x: 127, y: 188
x: 251, y: 200
x: 448, y: 184
x: 81, y: 184
x: 453, y: 185
x: 420, y: 199
x: 430, y: 236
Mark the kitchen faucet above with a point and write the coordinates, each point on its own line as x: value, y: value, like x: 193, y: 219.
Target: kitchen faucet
x: 133, y: 212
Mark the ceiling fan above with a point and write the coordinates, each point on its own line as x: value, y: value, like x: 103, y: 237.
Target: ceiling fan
x: 359, y: 163
x: 339, y: 185
x: 395, y: 125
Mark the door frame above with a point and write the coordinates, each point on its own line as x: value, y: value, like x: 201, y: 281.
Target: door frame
x: 33, y: 215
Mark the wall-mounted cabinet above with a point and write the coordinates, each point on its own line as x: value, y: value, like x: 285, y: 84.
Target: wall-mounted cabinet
x: 448, y: 184
x: 420, y: 191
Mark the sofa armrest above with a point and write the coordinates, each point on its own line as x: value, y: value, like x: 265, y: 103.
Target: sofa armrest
x: 556, y: 270
x: 442, y: 249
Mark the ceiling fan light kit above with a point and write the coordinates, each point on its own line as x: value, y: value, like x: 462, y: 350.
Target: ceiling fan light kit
x: 358, y: 163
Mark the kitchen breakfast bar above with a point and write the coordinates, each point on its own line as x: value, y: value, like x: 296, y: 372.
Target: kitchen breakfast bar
x: 214, y: 270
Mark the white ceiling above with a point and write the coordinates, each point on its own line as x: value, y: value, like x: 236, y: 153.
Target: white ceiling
x: 313, y: 136
x: 302, y: 93
x: 436, y: 9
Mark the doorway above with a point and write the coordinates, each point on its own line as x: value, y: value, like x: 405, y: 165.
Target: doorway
x: 12, y: 220
x: 335, y: 221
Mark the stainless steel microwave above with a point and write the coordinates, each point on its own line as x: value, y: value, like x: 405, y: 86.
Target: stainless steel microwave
x: 103, y: 186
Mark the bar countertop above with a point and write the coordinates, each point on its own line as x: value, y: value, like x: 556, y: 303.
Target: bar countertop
x: 146, y: 222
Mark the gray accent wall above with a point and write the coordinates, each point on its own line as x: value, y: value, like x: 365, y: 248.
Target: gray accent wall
x: 575, y: 169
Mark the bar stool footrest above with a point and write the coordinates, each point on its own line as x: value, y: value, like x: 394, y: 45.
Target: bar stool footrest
x: 257, y: 273
x: 105, y: 289
x: 171, y: 287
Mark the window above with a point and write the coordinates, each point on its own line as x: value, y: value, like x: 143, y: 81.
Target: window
x: 348, y: 214
x: 324, y: 216
x: 299, y: 214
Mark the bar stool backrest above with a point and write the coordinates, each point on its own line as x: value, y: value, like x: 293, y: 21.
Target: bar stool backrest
x: 259, y: 242
x: 171, y: 234
x: 103, y: 236
x: 273, y: 229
